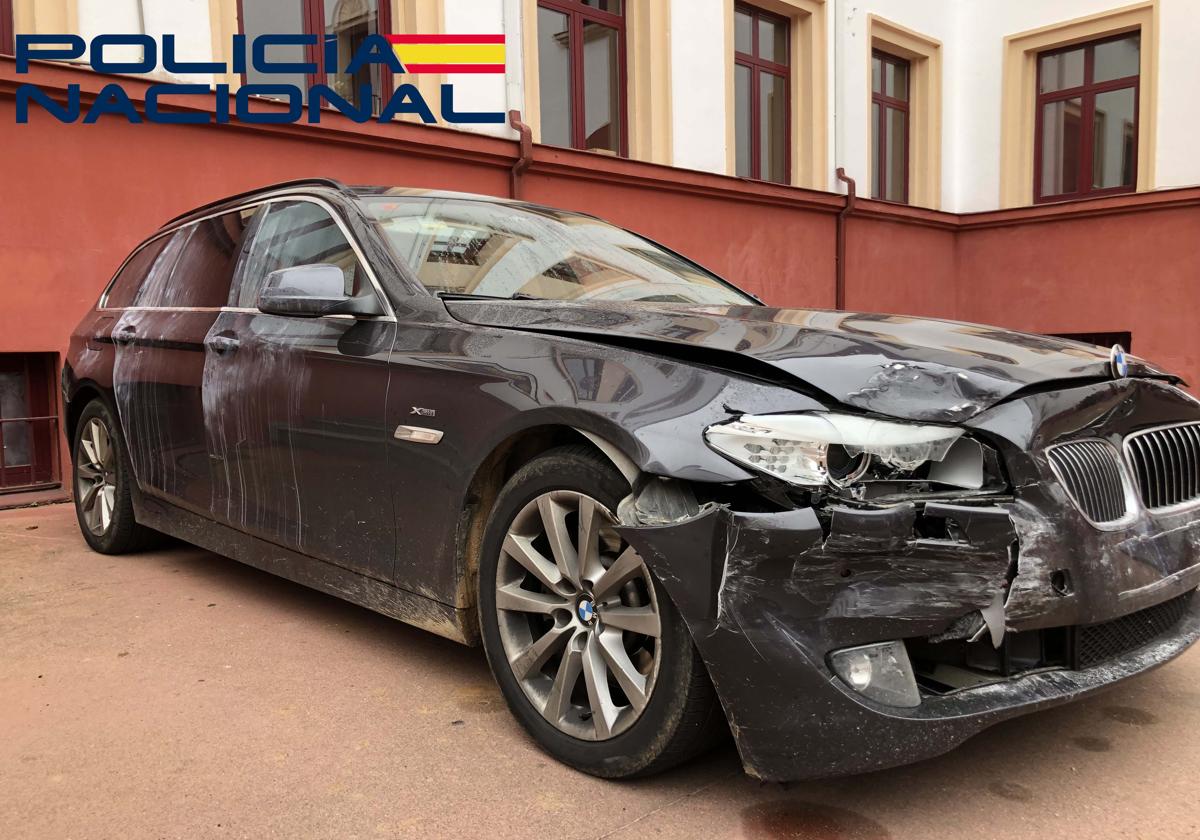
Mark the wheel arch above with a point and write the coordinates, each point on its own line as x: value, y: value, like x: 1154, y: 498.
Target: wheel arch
x: 83, y: 393
x: 508, y: 456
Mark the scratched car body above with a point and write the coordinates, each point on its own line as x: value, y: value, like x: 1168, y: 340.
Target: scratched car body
x: 661, y: 506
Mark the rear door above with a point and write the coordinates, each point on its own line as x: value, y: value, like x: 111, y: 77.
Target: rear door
x: 295, y: 406
x: 158, y: 368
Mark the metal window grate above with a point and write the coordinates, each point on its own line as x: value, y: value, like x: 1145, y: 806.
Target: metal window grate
x: 1166, y: 464
x: 1091, y: 473
x: 1097, y: 643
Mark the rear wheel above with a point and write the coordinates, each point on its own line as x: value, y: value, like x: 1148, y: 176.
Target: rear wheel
x: 103, y: 484
x: 592, y: 656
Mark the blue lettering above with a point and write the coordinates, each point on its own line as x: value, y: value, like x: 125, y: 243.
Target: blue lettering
x: 258, y: 54
x: 359, y: 114
x: 293, y: 95
x: 147, y: 63
x: 32, y: 93
x: 406, y: 99
x: 374, y: 49
x: 470, y: 117
x: 26, y: 49
x: 112, y: 99
x: 156, y: 115
x: 171, y: 65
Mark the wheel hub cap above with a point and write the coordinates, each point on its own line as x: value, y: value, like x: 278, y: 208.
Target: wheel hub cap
x: 578, y: 616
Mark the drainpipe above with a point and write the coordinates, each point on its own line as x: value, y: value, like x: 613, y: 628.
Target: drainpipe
x: 839, y: 293
x: 526, y: 153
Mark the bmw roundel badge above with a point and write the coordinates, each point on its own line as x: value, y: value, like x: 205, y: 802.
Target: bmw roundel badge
x: 1118, y: 363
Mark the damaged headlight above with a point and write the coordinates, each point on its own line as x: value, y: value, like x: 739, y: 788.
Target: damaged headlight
x: 819, y: 449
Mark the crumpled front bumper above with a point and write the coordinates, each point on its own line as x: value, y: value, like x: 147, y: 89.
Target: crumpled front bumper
x: 768, y: 595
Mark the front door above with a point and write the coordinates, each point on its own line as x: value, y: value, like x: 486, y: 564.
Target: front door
x: 294, y: 407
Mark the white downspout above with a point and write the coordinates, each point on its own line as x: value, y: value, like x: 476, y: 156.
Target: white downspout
x: 514, y: 63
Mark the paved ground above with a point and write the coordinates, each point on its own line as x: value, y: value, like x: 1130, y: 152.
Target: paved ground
x: 180, y: 694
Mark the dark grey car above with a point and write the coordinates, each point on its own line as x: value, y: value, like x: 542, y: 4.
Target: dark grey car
x: 660, y: 505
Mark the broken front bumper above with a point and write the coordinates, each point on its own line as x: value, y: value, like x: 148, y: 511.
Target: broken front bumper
x: 768, y: 596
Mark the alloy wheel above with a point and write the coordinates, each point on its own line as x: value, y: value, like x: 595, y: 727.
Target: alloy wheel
x: 96, y: 477
x: 578, y: 616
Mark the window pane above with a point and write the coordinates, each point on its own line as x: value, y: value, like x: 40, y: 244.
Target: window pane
x: 601, y: 88
x: 876, y: 74
x: 773, y: 111
x: 877, y: 131
x: 1061, y: 70
x: 1060, y: 147
x: 295, y: 233
x: 153, y: 290
x: 554, y: 76
x: 1113, y: 140
x: 895, y: 79
x: 772, y: 40
x: 743, y: 34
x: 1116, y: 59
x: 274, y: 17
x: 125, y: 287
x: 611, y: 6
x: 351, y: 22
x: 896, y: 154
x: 492, y: 249
x: 742, y: 97
x: 204, y: 270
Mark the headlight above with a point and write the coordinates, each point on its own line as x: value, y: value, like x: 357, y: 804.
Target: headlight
x: 819, y: 448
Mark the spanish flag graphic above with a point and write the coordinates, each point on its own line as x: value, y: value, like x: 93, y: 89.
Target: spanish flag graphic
x: 449, y: 53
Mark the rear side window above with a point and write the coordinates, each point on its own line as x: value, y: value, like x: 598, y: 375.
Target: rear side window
x: 295, y: 233
x: 196, y: 266
x: 125, y: 286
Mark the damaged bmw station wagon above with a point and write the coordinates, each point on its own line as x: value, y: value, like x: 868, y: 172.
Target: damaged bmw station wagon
x: 664, y: 508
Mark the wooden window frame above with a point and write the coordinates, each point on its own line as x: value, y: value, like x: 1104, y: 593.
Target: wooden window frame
x: 313, y: 17
x: 879, y: 186
x: 8, y: 28
x: 1086, y: 93
x: 755, y: 65
x: 576, y: 13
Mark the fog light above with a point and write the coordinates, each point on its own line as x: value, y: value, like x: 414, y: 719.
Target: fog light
x: 881, y: 672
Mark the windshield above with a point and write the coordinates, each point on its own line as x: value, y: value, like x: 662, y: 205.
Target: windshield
x: 459, y: 246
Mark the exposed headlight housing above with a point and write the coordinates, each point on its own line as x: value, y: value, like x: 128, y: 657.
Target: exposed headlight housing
x: 816, y: 449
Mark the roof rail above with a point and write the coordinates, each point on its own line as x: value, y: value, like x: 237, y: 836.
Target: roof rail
x: 300, y: 182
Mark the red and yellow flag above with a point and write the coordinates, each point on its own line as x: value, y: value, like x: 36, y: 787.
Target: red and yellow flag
x: 449, y: 53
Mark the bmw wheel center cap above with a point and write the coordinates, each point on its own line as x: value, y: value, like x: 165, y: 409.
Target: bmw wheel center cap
x: 586, y: 611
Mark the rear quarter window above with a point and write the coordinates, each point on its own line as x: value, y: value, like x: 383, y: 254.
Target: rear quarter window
x: 197, y: 264
x: 129, y: 279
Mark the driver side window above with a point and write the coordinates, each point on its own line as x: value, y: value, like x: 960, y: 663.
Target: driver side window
x: 293, y: 233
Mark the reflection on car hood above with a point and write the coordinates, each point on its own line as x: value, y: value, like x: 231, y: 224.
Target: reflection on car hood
x: 913, y: 368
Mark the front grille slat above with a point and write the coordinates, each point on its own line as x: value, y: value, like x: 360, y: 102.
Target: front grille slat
x: 1166, y: 465
x: 1090, y: 473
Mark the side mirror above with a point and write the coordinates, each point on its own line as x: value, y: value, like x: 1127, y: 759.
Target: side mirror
x: 310, y: 291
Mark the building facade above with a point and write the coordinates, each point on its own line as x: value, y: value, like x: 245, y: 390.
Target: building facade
x: 785, y: 90
x: 1022, y: 163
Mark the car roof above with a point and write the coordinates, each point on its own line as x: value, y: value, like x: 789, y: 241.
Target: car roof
x: 352, y: 192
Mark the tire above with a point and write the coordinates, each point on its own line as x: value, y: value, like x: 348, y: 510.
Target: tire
x: 657, y: 705
x: 102, y: 480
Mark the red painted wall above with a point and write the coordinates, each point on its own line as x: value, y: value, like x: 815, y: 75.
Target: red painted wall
x: 77, y: 198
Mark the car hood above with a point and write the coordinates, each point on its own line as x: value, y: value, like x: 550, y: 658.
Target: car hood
x: 911, y: 368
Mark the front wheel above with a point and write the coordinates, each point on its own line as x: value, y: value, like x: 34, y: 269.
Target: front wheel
x: 590, y: 653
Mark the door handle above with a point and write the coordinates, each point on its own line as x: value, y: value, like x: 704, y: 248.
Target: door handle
x: 125, y: 333
x: 222, y: 344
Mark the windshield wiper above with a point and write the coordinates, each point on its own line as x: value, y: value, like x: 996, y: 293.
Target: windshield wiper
x: 472, y: 296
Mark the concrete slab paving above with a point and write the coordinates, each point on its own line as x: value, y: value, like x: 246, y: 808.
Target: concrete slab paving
x: 176, y: 693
